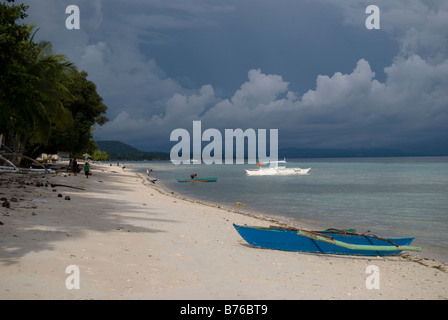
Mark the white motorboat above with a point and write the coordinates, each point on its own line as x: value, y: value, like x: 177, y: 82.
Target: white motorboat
x: 275, y: 169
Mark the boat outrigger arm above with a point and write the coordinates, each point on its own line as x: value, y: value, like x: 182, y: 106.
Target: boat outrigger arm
x: 330, y: 240
x: 16, y: 154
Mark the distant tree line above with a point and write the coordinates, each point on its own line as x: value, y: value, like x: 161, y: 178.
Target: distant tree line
x: 139, y: 156
x: 100, y: 155
x: 117, y: 150
x: 46, y: 104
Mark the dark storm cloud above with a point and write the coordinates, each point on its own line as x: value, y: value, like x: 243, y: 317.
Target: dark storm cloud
x: 310, y: 69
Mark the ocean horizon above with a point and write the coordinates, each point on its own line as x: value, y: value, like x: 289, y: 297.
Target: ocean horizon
x: 389, y: 197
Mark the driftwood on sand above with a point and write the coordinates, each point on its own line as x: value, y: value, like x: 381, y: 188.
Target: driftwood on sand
x: 64, y: 185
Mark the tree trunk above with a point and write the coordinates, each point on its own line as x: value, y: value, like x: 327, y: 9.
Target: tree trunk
x: 17, y: 147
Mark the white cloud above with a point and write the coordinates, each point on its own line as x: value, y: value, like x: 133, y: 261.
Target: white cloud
x: 344, y: 109
x: 342, y: 88
x: 260, y: 89
x: 188, y: 107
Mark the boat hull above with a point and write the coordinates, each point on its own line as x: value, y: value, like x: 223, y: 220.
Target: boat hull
x: 277, y: 171
x: 289, y: 240
x: 198, y: 180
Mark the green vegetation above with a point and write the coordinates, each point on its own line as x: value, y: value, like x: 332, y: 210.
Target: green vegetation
x: 46, y: 104
x: 100, y: 156
x: 87, y: 109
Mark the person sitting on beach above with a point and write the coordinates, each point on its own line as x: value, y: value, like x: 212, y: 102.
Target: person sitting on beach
x: 75, y: 167
x: 149, y: 172
x: 87, y: 169
x: 193, y: 176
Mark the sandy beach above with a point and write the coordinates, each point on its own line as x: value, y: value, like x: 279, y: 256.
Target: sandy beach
x: 130, y: 240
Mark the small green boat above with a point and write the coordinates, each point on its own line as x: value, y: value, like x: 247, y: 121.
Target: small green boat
x: 198, y: 180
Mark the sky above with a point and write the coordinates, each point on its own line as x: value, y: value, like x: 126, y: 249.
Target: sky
x: 309, y: 68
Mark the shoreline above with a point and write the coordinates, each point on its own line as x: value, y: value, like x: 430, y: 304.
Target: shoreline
x: 131, y: 242
x: 257, y: 214
x: 284, y: 221
x: 249, y: 213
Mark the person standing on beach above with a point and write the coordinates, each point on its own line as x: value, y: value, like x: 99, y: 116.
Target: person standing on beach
x: 87, y: 170
x: 75, y: 167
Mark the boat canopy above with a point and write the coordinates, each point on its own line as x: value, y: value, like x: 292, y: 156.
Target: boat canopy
x: 274, y: 163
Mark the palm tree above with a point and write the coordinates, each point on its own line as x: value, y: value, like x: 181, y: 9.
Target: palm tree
x: 43, y: 106
x: 52, y: 72
x: 33, y: 82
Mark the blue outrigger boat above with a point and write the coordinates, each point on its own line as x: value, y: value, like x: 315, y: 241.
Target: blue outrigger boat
x: 331, y: 241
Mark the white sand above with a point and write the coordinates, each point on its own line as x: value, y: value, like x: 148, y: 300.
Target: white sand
x: 131, y: 241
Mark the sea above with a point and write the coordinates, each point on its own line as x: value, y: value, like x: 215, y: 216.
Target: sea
x: 388, y: 197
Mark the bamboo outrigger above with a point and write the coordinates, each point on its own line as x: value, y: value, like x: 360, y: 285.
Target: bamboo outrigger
x: 16, y: 169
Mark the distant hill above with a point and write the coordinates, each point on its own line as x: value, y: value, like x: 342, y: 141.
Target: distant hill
x: 118, y: 150
x: 338, y: 153
x: 121, y: 151
x: 116, y: 147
